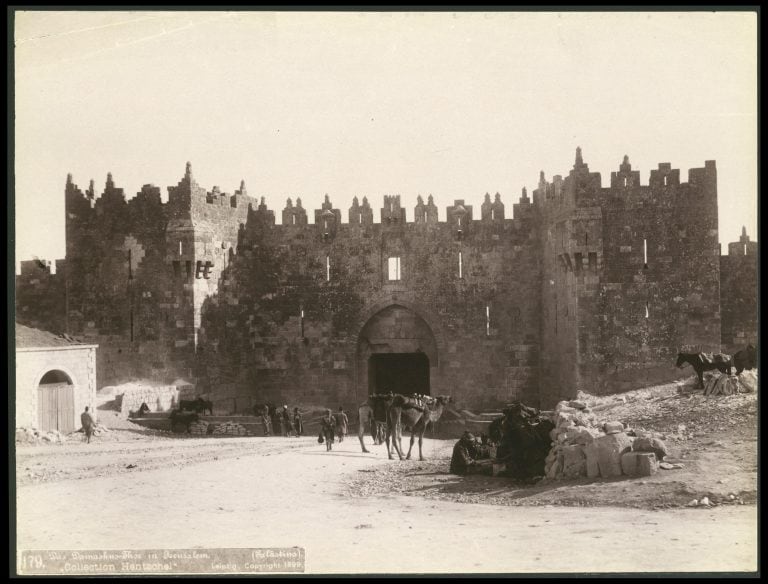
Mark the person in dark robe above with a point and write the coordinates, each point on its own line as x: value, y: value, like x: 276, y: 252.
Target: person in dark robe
x: 467, y: 455
x: 88, y: 423
x: 328, y: 428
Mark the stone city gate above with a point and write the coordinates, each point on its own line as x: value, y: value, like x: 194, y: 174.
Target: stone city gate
x: 396, y: 351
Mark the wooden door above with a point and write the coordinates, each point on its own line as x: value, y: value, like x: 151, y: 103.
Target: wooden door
x: 66, y: 409
x: 47, y: 399
x: 56, y: 407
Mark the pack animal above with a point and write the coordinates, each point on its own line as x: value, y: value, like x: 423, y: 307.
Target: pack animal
x: 702, y: 362
x: 374, y: 410
x: 415, y: 414
x: 199, y: 405
x: 525, y: 441
x: 745, y: 359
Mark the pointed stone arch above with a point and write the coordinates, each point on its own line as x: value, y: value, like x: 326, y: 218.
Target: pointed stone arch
x: 398, y: 349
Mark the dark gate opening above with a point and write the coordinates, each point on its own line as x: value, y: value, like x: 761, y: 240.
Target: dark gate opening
x: 404, y: 373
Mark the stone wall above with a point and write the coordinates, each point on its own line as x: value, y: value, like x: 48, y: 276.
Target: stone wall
x: 630, y: 276
x: 583, y: 287
x: 77, y: 362
x: 472, y: 291
x: 738, y: 294
x: 158, y: 398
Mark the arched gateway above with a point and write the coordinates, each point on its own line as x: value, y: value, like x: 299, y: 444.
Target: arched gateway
x: 396, y: 351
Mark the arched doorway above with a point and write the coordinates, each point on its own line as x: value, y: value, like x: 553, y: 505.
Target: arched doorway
x: 56, y: 402
x: 396, y: 352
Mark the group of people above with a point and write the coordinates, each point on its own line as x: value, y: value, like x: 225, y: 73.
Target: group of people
x: 333, y: 427
x: 289, y: 425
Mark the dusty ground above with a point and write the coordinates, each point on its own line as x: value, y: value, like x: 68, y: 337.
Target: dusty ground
x: 714, y: 438
x: 133, y: 488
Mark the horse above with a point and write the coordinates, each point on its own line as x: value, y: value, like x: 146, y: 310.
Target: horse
x: 702, y: 362
x: 199, y: 405
x: 745, y: 359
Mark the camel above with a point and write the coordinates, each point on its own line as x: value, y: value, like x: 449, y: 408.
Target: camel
x: 414, y: 414
x: 375, y: 411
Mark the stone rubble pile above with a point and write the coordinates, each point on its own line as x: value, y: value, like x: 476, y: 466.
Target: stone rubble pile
x: 718, y: 384
x: 229, y: 429
x: 200, y: 428
x: 581, y: 448
x: 31, y: 435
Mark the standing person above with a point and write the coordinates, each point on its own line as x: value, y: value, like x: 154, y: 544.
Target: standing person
x: 341, y: 423
x: 264, y: 413
x: 327, y: 428
x: 286, y: 421
x: 86, y: 419
x: 277, y: 420
x: 297, y: 425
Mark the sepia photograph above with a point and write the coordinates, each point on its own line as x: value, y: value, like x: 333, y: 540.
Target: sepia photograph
x: 383, y: 292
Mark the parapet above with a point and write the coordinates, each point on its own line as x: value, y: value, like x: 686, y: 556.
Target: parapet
x: 582, y: 188
x: 743, y: 247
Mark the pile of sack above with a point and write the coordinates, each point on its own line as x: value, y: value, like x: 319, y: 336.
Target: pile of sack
x: 199, y: 428
x: 229, y: 429
x: 721, y: 384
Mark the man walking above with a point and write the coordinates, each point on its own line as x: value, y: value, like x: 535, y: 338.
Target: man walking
x: 88, y: 423
x: 327, y: 427
x: 341, y: 424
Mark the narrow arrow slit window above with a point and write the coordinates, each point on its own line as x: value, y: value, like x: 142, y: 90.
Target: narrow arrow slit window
x: 645, y: 253
x: 327, y: 268
x: 487, y: 320
x: 461, y: 275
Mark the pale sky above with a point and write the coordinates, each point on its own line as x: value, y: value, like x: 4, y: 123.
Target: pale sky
x: 303, y: 104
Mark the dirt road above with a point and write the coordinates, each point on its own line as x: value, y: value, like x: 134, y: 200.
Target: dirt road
x: 275, y: 492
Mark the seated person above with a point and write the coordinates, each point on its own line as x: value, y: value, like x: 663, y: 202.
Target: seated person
x: 467, y: 457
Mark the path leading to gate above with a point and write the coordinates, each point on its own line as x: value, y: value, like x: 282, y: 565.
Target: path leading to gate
x: 274, y: 492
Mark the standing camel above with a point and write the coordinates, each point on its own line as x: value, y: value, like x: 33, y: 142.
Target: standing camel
x: 375, y: 411
x: 414, y: 414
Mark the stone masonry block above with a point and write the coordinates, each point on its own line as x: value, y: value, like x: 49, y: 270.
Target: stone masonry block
x: 639, y: 464
x: 610, y: 448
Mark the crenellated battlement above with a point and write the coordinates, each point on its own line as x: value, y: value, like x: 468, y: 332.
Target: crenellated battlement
x: 189, y: 199
x: 582, y: 188
x: 576, y: 286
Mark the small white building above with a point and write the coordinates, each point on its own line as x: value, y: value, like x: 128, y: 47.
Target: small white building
x: 55, y: 380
